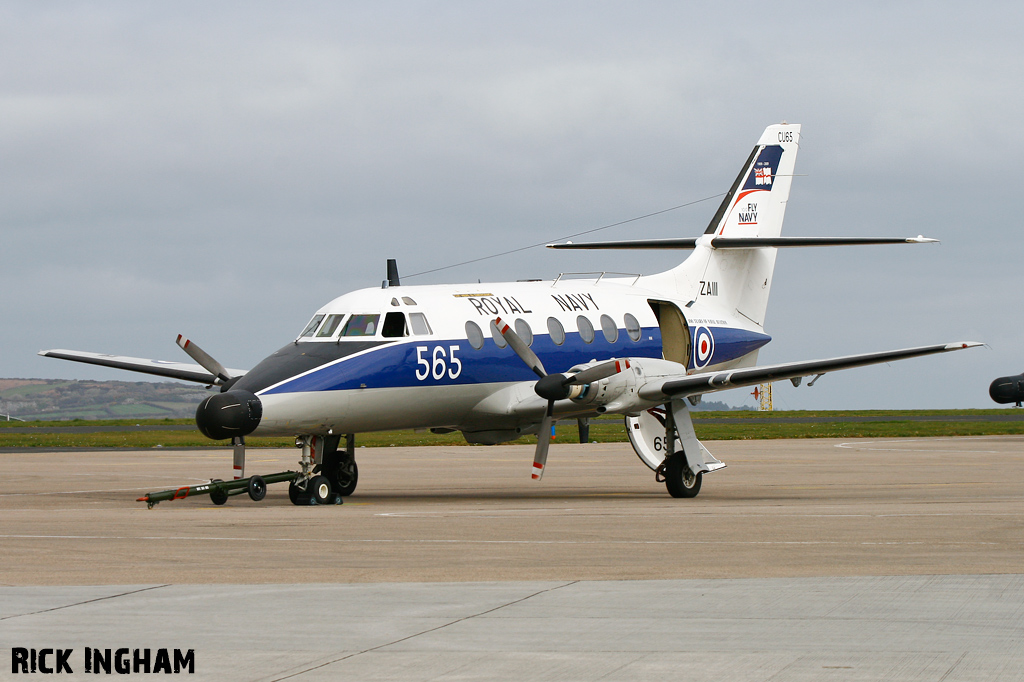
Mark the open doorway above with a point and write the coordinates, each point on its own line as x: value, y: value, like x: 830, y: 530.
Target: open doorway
x: 675, y: 332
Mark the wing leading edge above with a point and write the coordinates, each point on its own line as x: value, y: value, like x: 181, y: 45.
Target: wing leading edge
x: 720, y: 381
x: 162, y: 368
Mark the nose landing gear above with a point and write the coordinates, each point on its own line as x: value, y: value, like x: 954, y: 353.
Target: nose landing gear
x: 312, y: 487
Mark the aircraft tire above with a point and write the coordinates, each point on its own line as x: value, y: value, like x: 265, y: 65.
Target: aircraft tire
x: 257, y: 488
x: 299, y: 496
x: 218, y: 495
x: 679, y: 480
x: 320, y: 490
x: 343, y: 478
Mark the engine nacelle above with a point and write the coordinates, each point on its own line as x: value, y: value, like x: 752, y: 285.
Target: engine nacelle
x: 601, y: 393
x: 1006, y: 390
x: 620, y: 393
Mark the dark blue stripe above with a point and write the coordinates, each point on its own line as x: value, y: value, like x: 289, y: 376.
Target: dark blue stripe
x: 395, y: 366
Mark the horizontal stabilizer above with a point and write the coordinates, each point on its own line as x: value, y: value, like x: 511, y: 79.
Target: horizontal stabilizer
x: 744, y: 242
x: 720, y: 381
x: 162, y: 368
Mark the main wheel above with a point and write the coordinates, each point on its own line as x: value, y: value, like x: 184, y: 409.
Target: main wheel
x: 679, y: 480
x: 257, y: 488
x: 343, y: 478
x: 320, y: 490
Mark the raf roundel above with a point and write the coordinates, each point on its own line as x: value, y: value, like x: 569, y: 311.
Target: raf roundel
x: 703, y: 347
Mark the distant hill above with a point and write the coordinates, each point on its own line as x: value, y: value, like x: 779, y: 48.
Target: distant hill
x: 56, y: 399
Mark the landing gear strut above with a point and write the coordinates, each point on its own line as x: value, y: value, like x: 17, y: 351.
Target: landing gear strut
x: 682, y: 477
x: 311, y: 487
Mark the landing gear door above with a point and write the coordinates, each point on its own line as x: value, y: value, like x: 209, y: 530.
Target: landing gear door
x: 675, y: 332
x: 647, y: 436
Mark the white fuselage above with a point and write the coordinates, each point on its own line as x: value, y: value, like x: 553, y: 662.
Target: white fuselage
x: 427, y: 357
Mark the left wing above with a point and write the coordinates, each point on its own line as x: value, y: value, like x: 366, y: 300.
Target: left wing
x: 720, y: 381
x: 161, y: 368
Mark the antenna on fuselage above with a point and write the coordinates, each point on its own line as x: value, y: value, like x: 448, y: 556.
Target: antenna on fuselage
x: 393, y: 280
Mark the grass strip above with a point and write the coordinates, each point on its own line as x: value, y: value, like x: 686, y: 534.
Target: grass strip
x: 604, y: 430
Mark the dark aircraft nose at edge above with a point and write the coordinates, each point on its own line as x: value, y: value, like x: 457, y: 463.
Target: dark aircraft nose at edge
x: 1007, y: 389
x: 229, y: 415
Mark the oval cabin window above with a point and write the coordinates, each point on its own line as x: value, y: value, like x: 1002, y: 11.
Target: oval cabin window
x: 586, y: 329
x: 556, y: 331
x: 496, y: 335
x: 524, y: 331
x: 609, y: 329
x: 632, y: 327
x: 475, y: 335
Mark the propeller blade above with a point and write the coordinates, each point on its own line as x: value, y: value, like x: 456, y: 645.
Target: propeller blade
x: 521, y: 349
x: 203, y: 358
x: 583, y: 424
x: 597, y: 372
x: 540, y: 457
x: 239, y: 456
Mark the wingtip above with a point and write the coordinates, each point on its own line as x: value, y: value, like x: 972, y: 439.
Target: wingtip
x: 963, y: 344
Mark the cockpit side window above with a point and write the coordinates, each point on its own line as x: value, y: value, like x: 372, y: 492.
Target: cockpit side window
x: 330, y: 326
x: 361, y: 325
x: 420, y: 326
x: 394, y: 325
x: 311, y: 327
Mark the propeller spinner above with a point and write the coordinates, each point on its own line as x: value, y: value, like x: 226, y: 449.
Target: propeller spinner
x: 232, y: 413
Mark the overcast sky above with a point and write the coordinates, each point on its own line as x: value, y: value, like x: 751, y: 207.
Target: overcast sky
x: 224, y: 171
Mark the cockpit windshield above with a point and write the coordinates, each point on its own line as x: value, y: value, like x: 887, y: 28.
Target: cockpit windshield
x: 361, y: 325
x: 330, y: 326
x: 311, y: 327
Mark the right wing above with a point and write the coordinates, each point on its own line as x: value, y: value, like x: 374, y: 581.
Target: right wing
x: 162, y: 368
x: 733, y: 378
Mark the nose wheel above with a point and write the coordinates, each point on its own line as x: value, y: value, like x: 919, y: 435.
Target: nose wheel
x: 316, y: 490
x: 311, y: 486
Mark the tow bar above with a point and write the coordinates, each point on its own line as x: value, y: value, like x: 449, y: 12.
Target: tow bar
x: 220, y: 491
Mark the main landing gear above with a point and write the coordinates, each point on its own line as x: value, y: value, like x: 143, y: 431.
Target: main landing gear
x: 683, y: 471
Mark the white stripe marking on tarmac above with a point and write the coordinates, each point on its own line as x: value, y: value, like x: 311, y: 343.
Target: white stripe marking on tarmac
x: 189, y: 538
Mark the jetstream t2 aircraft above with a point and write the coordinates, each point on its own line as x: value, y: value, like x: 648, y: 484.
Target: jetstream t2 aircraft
x: 499, y: 360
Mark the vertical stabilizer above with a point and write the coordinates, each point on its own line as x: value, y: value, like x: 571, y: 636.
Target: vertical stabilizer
x: 755, y: 205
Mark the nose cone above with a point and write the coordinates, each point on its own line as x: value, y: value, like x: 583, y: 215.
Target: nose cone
x: 230, y: 414
x: 1007, y: 389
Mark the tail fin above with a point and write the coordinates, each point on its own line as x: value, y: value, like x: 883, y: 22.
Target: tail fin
x: 756, y: 203
x: 740, y: 279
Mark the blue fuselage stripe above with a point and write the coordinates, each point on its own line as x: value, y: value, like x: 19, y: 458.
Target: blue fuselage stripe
x: 403, y: 365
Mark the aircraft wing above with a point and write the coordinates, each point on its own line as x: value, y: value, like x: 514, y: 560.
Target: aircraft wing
x: 726, y: 379
x: 162, y: 368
